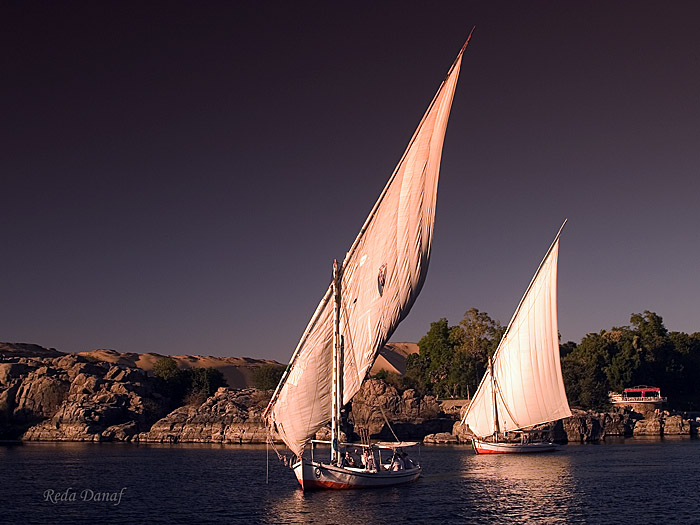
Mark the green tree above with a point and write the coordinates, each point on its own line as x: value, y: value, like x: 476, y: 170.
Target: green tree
x: 190, y: 386
x: 566, y: 348
x: 583, y: 371
x: 660, y: 365
x: 477, y: 337
x: 437, y: 350
x: 266, y: 377
x: 430, y: 368
x: 174, y: 381
x: 452, y: 359
x: 207, y: 380
x: 417, y: 371
x: 398, y: 381
x: 166, y: 368
x: 687, y: 387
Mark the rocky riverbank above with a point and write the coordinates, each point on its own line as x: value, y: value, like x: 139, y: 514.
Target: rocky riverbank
x: 229, y: 416
x: 46, y: 395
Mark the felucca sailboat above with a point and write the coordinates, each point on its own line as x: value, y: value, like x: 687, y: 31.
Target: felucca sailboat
x: 372, y: 291
x: 523, y: 385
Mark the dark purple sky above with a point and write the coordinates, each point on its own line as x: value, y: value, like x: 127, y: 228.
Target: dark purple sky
x: 178, y: 177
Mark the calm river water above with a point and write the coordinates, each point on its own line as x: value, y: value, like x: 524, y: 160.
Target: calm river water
x: 633, y: 481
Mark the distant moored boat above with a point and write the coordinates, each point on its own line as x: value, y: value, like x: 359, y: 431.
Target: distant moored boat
x: 641, y: 398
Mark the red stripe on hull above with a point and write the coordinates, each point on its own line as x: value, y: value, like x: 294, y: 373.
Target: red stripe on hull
x: 487, y: 451
x: 310, y: 485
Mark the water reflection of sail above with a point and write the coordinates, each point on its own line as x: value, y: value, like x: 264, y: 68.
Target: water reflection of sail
x: 543, y: 487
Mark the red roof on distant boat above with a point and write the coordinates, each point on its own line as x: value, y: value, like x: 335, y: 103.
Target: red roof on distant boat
x: 643, y: 389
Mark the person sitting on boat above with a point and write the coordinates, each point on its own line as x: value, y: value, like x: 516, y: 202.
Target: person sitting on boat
x: 397, y: 462
x: 359, y: 463
x: 349, y: 460
x: 407, y: 462
x: 368, y: 458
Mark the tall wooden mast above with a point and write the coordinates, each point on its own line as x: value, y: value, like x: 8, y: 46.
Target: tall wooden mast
x: 337, y: 382
x: 496, y: 428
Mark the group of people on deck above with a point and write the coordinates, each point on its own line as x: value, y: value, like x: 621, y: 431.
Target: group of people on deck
x: 401, y: 461
x: 366, y: 461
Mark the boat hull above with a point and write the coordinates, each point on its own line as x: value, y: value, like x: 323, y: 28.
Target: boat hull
x: 315, y: 475
x: 487, y: 447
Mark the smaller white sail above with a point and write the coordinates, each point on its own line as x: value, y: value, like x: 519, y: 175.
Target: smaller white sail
x: 526, y: 366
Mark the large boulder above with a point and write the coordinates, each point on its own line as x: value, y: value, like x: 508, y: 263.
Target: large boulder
x: 411, y: 416
x: 71, y: 398
x: 580, y: 427
x: 587, y: 427
x: 441, y: 438
x: 462, y: 432
x: 676, y: 426
x: 10, y: 372
x: 230, y: 416
x: 652, y: 426
x: 40, y: 394
x: 617, y: 423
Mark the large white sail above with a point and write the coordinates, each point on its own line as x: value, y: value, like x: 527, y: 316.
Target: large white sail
x: 382, y: 275
x: 526, y: 366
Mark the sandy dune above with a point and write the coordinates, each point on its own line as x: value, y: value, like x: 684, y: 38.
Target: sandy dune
x: 392, y: 357
x: 238, y: 371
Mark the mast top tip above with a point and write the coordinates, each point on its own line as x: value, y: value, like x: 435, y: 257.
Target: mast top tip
x: 468, y: 38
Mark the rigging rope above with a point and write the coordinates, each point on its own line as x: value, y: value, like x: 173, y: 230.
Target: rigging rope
x: 388, y: 424
x: 282, y: 458
x: 505, y: 405
x: 383, y: 415
x: 267, y: 459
